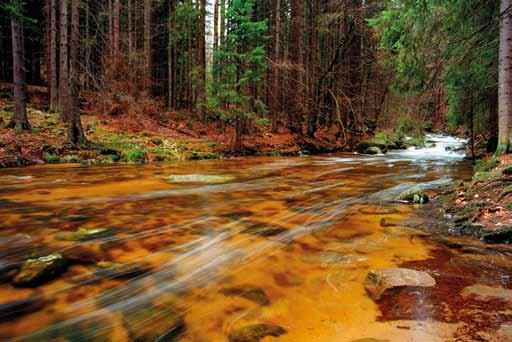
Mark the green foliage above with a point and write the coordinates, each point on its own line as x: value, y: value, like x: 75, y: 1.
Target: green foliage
x: 51, y: 158
x: 454, y: 43
x: 486, y: 165
x: 137, y: 156
x: 239, y: 64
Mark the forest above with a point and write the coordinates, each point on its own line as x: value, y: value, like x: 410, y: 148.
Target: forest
x: 328, y: 73
x: 255, y: 170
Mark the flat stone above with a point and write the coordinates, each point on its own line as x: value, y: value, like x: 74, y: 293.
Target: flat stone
x: 264, y: 230
x: 256, y: 332
x: 379, y: 281
x: 35, y: 272
x: 252, y: 293
x: 86, y: 234
x: 485, y: 292
x: 198, y: 178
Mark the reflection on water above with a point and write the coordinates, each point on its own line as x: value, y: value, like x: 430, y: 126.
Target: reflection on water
x: 266, y: 248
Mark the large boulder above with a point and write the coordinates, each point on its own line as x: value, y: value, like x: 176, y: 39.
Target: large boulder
x: 256, y: 333
x: 38, y: 271
x: 379, y: 281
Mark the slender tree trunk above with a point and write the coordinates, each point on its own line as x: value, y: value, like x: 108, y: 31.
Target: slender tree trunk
x: 147, y: 44
x: 170, y: 54
x: 276, y: 53
x: 297, y: 57
x: 505, y: 80
x: 201, y: 60
x: 116, y: 46
x: 19, y: 120
x: 64, y: 93
x: 53, y: 58
x: 313, y: 62
x: 47, y: 42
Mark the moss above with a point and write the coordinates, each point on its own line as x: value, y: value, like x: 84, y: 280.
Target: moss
x: 157, y: 141
x: 482, y: 176
x: 486, y: 165
x: 507, y: 170
x: 137, y: 156
x: 508, y: 205
x: 418, y: 142
x: 51, y: 158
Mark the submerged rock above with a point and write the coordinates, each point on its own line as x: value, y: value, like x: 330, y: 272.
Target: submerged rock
x: 378, y: 211
x: 86, y: 234
x: 415, y: 195
x: 112, y: 270
x: 252, y: 293
x: 153, y: 323
x: 198, y: 178
x: 499, y: 236
x: 264, y: 230
x: 379, y: 281
x: 485, y: 293
x: 41, y: 270
x: 24, y: 303
x: 256, y: 332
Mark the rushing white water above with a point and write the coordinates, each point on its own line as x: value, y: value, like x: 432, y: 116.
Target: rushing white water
x: 438, y: 147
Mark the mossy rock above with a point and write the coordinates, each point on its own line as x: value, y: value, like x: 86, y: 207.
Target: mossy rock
x: 153, y: 323
x: 37, y: 271
x: 252, y: 293
x: 500, y: 236
x: 415, y: 195
x: 507, y: 191
x: 137, y: 156
x: 507, y: 170
x: 373, y: 150
x: 256, y: 333
x: 86, y: 234
x: 113, y: 270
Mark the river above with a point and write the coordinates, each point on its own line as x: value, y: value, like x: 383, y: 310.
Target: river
x: 200, y: 251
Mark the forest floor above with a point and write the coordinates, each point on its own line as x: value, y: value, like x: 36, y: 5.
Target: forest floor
x: 125, y: 135
x: 482, y: 207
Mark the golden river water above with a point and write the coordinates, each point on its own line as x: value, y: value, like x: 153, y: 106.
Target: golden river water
x: 286, y: 242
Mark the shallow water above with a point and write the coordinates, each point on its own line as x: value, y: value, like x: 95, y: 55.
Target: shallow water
x: 282, y: 241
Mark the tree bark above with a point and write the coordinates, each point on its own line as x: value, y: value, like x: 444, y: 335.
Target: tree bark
x: 313, y: 74
x: 201, y: 60
x: 276, y: 53
x: 54, y: 98
x: 117, y: 10
x: 170, y: 55
x: 68, y: 85
x: 19, y: 120
x: 505, y: 79
x: 297, y: 58
x: 147, y: 44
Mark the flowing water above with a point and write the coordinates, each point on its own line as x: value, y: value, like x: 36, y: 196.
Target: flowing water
x: 197, y: 250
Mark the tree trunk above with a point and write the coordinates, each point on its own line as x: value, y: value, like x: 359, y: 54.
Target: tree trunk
x: 275, y: 96
x: 505, y: 80
x: 201, y: 60
x: 147, y: 44
x: 19, y: 120
x: 69, y: 73
x: 313, y: 62
x: 53, y: 58
x: 170, y: 55
x: 297, y: 57
x: 117, y: 9
x: 47, y: 42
